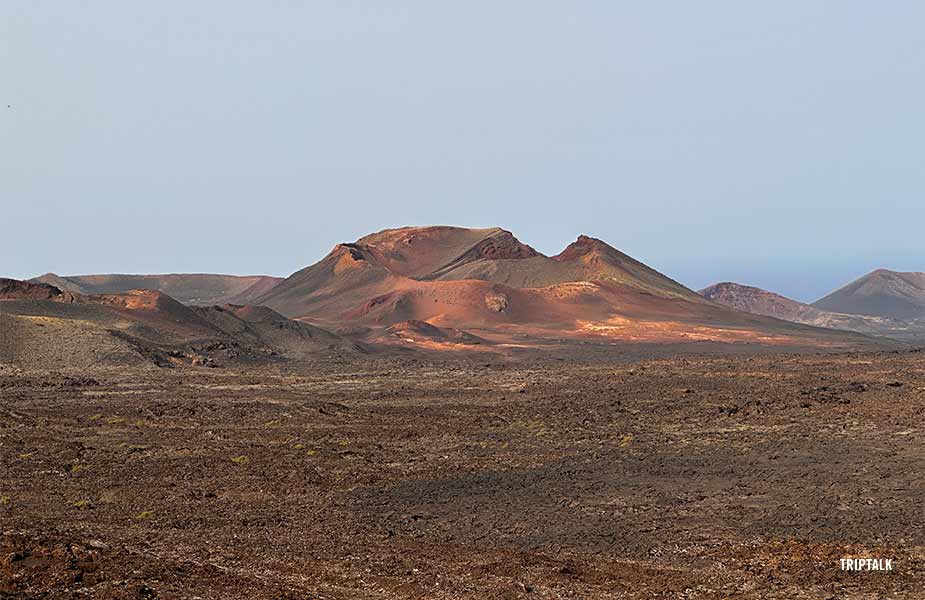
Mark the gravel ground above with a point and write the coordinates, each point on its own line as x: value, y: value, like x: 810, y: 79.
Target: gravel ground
x: 696, y: 477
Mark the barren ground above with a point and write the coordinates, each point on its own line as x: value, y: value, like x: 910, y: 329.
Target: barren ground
x: 699, y: 477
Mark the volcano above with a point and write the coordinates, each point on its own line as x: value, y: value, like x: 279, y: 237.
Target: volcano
x: 880, y: 293
x: 489, y: 283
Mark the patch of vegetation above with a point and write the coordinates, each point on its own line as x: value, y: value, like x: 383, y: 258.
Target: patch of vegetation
x: 534, y: 427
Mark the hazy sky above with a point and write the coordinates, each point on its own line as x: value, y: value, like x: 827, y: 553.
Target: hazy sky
x: 777, y: 143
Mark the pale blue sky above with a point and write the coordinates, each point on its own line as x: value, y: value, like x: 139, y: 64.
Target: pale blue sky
x: 778, y: 144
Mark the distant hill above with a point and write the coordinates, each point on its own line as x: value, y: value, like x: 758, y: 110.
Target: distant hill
x: 880, y: 293
x: 188, y: 288
x: 43, y: 326
x: 263, y: 327
x: 762, y: 302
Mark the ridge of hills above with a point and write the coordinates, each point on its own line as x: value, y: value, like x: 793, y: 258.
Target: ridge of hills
x: 421, y: 288
x: 758, y: 301
x: 187, y: 288
x: 43, y: 325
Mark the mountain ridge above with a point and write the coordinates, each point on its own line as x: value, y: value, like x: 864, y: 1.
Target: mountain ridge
x: 438, y: 287
x: 40, y: 324
x: 187, y: 288
x: 758, y: 301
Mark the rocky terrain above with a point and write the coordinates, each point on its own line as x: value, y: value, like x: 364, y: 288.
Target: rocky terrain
x: 737, y: 476
x: 447, y: 413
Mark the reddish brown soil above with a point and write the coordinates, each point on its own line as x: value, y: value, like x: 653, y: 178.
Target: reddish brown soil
x: 691, y: 477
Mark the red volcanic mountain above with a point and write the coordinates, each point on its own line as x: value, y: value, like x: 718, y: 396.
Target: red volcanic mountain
x: 187, y: 288
x: 760, y: 302
x: 486, y: 280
